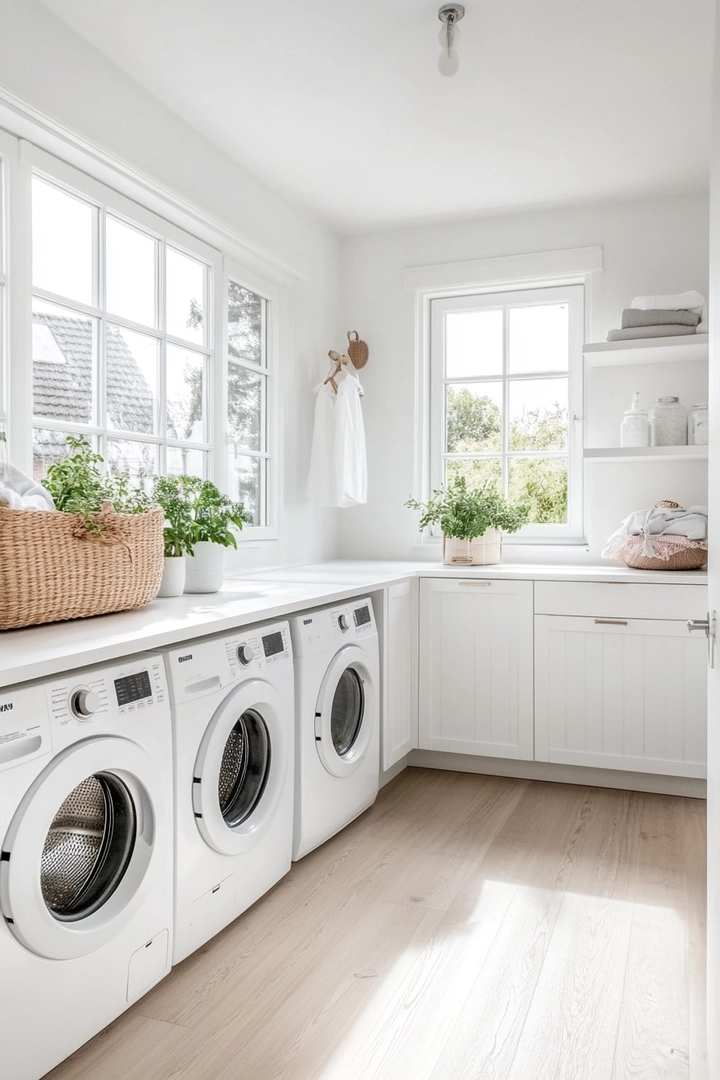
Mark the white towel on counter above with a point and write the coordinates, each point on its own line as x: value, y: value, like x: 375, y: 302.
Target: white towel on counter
x: 21, y: 492
x: 338, y: 460
x: 687, y: 301
x: 664, y: 521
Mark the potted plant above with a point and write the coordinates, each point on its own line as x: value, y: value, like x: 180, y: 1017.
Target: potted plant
x: 472, y: 520
x: 204, y: 518
x: 170, y: 494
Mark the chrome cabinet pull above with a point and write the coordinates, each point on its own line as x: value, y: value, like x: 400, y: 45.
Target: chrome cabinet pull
x: 476, y: 584
x: 708, y: 627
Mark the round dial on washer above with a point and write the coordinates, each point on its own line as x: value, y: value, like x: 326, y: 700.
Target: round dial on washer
x: 245, y: 654
x: 343, y: 623
x: 84, y: 703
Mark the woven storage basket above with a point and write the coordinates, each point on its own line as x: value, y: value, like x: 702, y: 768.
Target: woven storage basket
x: 689, y: 559
x: 50, y: 571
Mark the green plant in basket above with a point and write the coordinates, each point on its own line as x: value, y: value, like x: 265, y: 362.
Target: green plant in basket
x: 467, y: 513
x: 79, y: 486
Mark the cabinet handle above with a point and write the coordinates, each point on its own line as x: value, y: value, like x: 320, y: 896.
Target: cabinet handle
x: 477, y: 584
x: 611, y: 622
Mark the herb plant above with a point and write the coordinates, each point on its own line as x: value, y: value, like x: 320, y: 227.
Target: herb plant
x: 465, y: 513
x: 79, y: 486
x: 196, y: 511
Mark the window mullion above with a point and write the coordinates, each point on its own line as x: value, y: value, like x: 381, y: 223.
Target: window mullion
x: 506, y: 402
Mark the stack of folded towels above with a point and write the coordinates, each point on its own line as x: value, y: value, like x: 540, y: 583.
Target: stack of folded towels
x: 663, y: 316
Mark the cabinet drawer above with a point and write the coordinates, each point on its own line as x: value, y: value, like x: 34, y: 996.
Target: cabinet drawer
x: 620, y: 600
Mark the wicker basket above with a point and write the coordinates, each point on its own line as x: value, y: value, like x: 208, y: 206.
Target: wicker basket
x: 52, y: 569
x: 689, y: 559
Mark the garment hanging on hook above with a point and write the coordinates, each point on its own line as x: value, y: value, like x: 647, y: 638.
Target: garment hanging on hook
x: 338, y: 461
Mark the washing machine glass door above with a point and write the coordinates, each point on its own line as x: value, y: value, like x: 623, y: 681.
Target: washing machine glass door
x: 242, y: 767
x: 79, y: 854
x: 346, y: 712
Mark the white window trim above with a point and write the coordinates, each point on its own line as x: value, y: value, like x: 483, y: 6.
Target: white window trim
x: 245, y: 276
x: 8, y: 162
x: 431, y: 401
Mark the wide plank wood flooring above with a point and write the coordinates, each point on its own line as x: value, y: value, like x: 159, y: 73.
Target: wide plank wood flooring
x: 464, y: 928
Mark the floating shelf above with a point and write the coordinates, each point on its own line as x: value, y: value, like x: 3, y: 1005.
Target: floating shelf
x: 647, y: 351
x: 646, y: 453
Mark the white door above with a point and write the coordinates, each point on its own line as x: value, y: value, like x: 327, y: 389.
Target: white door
x: 400, y: 684
x: 347, y: 710
x: 476, y: 666
x: 620, y: 694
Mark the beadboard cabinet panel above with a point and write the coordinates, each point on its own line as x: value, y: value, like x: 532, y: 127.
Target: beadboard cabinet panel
x: 624, y: 695
x: 400, y: 702
x: 476, y: 667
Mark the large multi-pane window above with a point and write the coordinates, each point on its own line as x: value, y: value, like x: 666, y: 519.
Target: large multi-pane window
x: 248, y: 399
x: 122, y: 333
x: 506, y: 400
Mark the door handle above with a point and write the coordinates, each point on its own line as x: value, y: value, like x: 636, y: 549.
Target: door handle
x: 708, y: 627
x: 476, y: 584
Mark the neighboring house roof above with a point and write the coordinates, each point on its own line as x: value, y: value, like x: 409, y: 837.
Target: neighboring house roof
x: 63, y: 374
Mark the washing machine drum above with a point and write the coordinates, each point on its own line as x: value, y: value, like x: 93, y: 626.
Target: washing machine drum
x: 77, y: 858
x: 346, y: 713
x: 242, y: 767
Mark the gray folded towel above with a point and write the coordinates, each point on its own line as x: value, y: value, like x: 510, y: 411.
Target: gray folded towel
x: 658, y: 317
x: 633, y: 332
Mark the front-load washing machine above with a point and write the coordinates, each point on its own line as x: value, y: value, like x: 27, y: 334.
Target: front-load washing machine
x: 233, y: 731
x: 86, y: 873
x: 338, y: 719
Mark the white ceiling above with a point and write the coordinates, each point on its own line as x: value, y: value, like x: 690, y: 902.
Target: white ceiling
x: 339, y: 105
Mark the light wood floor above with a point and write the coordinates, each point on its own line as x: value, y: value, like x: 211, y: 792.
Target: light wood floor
x: 464, y: 927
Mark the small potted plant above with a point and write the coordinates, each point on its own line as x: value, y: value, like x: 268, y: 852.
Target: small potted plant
x: 472, y: 520
x: 169, y: 493
x: 211, y: 518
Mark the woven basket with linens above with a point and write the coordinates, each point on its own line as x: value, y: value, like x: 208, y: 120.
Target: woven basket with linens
x: 56, y: 566
x: 667, y: 537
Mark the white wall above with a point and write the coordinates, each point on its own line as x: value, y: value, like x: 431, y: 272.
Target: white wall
x: 57, y: 72
x: 650, y: 246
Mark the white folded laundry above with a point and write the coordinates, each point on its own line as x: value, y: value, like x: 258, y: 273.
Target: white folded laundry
x: 21, y: 492
x: 661, y: 521
x: 703, y: 326
x: 686, y: 301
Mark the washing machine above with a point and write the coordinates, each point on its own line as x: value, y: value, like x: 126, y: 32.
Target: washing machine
x: 233, y: 736
x: 337, y: 666
x: 86, y: 872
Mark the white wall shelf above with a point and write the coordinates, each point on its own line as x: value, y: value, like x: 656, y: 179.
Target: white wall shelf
x: 647, y: 351
x: 646, y: 453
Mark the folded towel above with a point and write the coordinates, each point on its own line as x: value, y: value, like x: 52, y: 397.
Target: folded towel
x: 20, y: 492
x: 660, y: 521
x: 692, y: 301
x: 634, y: 332
x: 658, y: 317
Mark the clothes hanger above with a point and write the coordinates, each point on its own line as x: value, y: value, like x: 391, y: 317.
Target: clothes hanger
x: 338, y: 362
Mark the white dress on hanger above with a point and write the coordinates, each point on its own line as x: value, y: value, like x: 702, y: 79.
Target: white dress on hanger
x: 338, y: 461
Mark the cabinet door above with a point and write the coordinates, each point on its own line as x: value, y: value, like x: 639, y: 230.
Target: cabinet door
x: 400, y: 704
x: 620, y: 694
x: 476, y: 667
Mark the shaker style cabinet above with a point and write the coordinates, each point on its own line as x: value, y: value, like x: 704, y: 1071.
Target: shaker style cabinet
x: 621, y: 693
x: 476, y: 667
x: 400, y: 683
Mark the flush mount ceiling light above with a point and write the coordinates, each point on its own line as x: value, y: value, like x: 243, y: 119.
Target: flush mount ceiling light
x: 449, y: 15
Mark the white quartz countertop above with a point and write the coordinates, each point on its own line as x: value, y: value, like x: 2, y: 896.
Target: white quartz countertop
x: 40, y: 651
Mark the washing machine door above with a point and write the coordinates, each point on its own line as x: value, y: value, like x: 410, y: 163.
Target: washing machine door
x: 346, y: 712
x: 80, y: 853
x: 242, y: 767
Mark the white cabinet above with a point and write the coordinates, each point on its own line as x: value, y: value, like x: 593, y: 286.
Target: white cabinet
x: 621, y: 693
x: 400, y: 693
x: 476, y: 666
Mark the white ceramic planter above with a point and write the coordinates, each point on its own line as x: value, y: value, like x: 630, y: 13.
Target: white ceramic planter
x: 481, y: 551
x: 173, y: 579
x: 205, y: 569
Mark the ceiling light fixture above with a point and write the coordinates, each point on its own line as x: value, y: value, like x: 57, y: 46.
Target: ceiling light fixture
x: 449, y: 15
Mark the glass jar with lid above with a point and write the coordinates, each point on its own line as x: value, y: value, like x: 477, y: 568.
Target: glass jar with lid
x: 698, y: 425
x: 668, y: 422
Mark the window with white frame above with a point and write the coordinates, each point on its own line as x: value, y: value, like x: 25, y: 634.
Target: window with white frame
x: 7, y: 148
x: 506, y: 401
x: 249, y: 399
x: 122, y: 331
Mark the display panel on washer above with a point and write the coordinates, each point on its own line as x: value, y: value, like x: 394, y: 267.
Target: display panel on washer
x: 273, y: 644
x: 133, y: 687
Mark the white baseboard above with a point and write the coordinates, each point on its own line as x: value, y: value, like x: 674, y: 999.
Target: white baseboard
x: 393, y: 771
x: 559, y: 774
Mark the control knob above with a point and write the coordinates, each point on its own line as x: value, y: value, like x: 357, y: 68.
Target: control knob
x: 245, y: 654
x: 343, y: 623
x: 85, y: 703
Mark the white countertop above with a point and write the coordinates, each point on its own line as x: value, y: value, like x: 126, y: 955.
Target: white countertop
x: 39, y: 651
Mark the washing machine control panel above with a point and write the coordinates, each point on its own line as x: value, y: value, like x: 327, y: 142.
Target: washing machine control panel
x: 259, y: 649
x: 106, y: 698
x: 323, y: 629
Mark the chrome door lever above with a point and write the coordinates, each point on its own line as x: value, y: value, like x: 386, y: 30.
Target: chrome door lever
x: 708, y: 627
